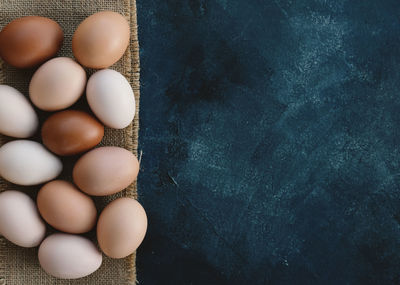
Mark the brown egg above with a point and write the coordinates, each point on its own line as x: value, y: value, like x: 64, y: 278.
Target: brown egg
x: 121, y: 227
x: 66, y: 208
x: 105, y: 170
x: 71, y: 132
x: 101, y: 39
x: 29, y: 41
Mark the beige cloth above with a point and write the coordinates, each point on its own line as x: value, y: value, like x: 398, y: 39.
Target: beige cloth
x: 20, y: 265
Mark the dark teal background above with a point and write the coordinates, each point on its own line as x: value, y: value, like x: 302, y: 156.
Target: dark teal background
x: 270, y: 133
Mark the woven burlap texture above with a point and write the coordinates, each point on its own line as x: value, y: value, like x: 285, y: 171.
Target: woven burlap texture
x: 20, y: 265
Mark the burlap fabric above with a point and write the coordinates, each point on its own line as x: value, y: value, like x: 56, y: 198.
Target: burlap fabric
x: 20, y: 265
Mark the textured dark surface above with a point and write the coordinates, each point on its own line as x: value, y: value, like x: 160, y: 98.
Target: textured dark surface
x: 270, y: 134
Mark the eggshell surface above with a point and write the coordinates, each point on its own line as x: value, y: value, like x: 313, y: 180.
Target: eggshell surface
x: 28, y: 41
x: 105, y: 170
x: 66, y: 208
x: 25, y: 162
x: 121, y: 227
x: 71, y: 132
x: 20, y: 222
x: 111, y: 98
x: 57, y: 84
x: 17, y: 117
x: 101, y: 39
x: 69, y: 256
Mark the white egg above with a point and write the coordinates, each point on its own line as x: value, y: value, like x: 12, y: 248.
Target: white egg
x: 26, y: 162
x: 111, y: 98
x: 17, y: 116
x: 69, y: 256
x: 20, y: 221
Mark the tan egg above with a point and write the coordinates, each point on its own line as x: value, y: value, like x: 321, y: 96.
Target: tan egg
x: 66, y: 208
x: 28, y: 41
x: 105, y: 170
x: 121, y: 227
x: 101, y: 39
x: 70, y: 132
x: 57, y: 84
x: 69, y: 256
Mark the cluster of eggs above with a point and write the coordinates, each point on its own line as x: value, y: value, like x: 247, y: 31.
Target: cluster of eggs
x: 98, y: 42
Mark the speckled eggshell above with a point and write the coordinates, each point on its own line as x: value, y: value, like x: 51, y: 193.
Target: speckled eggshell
x: 17, y: 117
x: 25, y: 162
x: 111, y: 98
x: 57, y: 84
x: 101, y: 39
x: 105, y: 170
x: 28, y: 41
x: 66, y: 208
x: 69, y: 256
x: 20, y: 221
x: 121, y: 227
x: 71, y: 132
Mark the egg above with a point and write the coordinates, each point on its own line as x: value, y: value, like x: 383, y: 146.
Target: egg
x: 57, y: 84
x: 71, y: 132
x: 105, y: 170
x: 29, y: 41
x: 25, y: 162
x: 69, y: 256
x: 101, y: 39
x: 20, y: 222
x: 121, y: 227
x: 111, y: 98
x: 66, y: 208
x: 17, y: 117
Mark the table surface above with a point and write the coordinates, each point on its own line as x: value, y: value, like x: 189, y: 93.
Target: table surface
x: 270, y: 133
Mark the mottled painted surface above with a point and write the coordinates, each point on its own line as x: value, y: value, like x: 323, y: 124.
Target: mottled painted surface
x: 270, y: 133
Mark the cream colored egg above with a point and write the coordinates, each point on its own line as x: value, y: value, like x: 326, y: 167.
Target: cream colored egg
x: 25, y: 162
x: 69, y: 256
x: 20, y: 221
x: 111, y: 98
x: 57, y: 84
x: 17, y: 117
